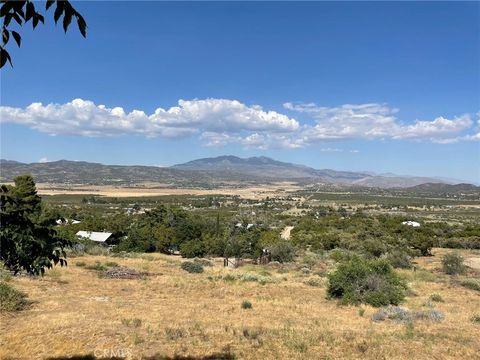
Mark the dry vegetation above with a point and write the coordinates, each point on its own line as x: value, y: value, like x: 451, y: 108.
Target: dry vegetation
x: 172, y: 313
x: 158, y: 189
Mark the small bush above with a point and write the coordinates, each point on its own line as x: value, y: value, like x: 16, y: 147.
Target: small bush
x: 399, y: 259
x: 282, y: 252
x: 192, y: 267
x: 12, y: 299
x: 400, y: 314
x: 436, y: 297
x: 471, y: 284
x: 361, y: 312
x: 203, y: 262
x: 98, y: 266
x: 475, y: 318
x: 246, y: 304
x: 80, y: 264
x: 452, y: 264
x: 111, y: 264
x: 361, y: 281
x: 314, y: 281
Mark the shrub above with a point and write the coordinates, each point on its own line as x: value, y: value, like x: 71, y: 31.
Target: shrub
x: 282, y: 252
x: 246, y: 304
x: 340, y: 255
x: 98, y: 266
x: 471, y: 284
x: 400, y: 314
x: 192, y: 249
x: 203, y: 262
x: 436, y: 297
x: 371, y: 282
x: 452, y: 264
x: 192, y: 267
x: 80, y: 263
x: 11, y: 299
x: 475, y: 318
x: 399, y: 259
x: 315, y: 282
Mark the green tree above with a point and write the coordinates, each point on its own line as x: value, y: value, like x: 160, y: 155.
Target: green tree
x: 22, y: 11
x: 28, y: 241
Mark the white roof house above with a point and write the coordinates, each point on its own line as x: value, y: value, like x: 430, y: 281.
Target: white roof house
x: 411, y: 223
x: 94, y: 235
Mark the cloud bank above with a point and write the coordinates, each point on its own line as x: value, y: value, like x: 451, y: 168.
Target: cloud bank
x: 218, y: 122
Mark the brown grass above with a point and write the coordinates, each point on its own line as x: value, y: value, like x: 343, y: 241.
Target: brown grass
x: 173, y: 313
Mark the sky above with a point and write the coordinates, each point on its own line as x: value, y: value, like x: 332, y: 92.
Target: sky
x: 362, y: 86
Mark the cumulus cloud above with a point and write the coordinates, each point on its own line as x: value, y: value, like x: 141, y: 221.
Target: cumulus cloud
x: 374, y: 121
x: 219, y: 122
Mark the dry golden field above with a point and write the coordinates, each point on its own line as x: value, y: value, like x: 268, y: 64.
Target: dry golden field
x: 173, y: 314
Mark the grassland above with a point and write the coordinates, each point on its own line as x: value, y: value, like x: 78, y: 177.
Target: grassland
x: 172, y: 313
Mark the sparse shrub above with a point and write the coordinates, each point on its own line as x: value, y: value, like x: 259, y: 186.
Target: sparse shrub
x: 399, y: 259
x: 175, y: 333
x: 80, y: 264
x: 436, y: 297
x: 340, y: 255
x: 97, y: 266
x: 366, y: 281
x: 132, y: 322
x: 282, y: 252
x: 305, y: 270
x: 96, y: 250
x: 246, y: 304
x: 401, y: 314
x: 192, y: 267
x: 11, y: 299
x: 475, y: 318
x: 361, y: 312
x: 471, y: 284
x: 314, y: 281
x: 452, y: 264
x: 203, y: 262
x: 111, y: 264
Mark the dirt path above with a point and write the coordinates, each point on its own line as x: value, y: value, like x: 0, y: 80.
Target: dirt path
x: 473, y: 262
x: 286, y: 232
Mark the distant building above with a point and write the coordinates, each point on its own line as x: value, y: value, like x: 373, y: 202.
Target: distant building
x: 99, y: 237
x: 411, y: 223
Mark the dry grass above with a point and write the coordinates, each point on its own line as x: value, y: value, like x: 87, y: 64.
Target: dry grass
x: 154, y: 189
x: 173, y: 313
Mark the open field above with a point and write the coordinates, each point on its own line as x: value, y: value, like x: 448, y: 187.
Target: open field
x: 172, y: 313
x: 153, y: 189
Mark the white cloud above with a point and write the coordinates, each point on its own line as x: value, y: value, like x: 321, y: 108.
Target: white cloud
x: 218, y: 122
x: 374, y: 121
x: 85, y: 118
x: 43, y: 160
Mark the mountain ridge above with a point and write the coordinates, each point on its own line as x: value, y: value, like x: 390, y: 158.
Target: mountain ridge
x: 203, y: 172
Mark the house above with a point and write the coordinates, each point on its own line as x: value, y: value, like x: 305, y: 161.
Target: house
x: 99, y: 237
x: 411, y: 223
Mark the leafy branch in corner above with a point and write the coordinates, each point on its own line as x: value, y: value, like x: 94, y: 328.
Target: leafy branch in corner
x: 21, y: 12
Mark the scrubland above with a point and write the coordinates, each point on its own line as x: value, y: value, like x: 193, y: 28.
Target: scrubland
x: 170, y: 313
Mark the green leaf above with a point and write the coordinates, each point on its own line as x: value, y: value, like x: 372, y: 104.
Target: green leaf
x: 67, y: 19
x: 4, y: 56
x: 58, y: 11
x: 82, y: 25
x: 30, y: 11
x: 48, y: 4
x: 17, y: 37
x: 5, y: 36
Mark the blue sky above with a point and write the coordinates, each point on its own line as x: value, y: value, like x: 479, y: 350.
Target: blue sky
x: 380, y: 86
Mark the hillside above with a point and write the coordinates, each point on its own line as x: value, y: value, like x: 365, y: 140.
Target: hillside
x: 205, y: 172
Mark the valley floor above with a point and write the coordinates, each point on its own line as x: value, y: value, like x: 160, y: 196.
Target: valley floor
x: 172, y: 313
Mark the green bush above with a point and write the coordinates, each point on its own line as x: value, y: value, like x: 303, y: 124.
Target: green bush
x: 192, y: 249
x: 399, y: 259
x: 475, y: 318
x: 282, y: 252
x: 11, y: 299
x: 452, y: 264
x: 192, y: 267
x: 436, y: 297
x: 360, y: 281
x: 471, y: 284
x: 246, y: 304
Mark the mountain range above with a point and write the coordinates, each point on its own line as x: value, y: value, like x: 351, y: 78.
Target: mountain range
x: 203, y: 172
